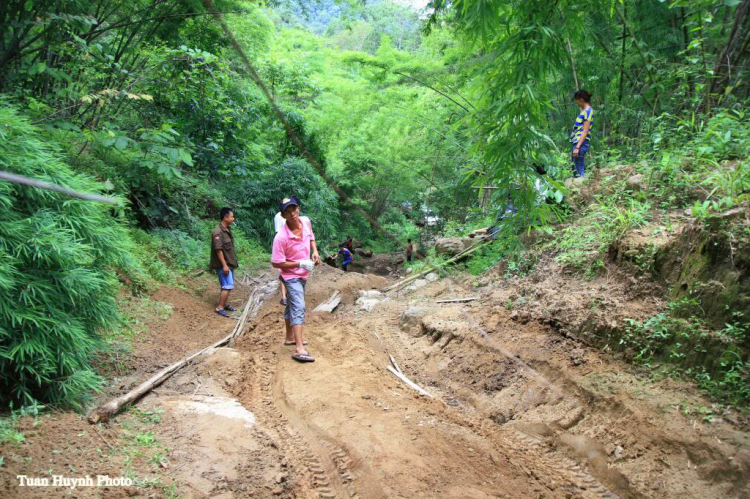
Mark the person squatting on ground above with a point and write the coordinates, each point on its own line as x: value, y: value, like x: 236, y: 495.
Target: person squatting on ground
x: 581, y: 131
x: 409, y: 250
x: 292, y: 247
x: 347, y: 255
x: 224, y: 259
x: 278, y: 223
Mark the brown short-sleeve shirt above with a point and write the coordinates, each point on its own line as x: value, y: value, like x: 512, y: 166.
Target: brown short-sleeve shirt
x: 222, y: 239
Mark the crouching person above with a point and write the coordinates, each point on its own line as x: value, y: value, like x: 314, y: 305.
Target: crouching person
x: 295, y: 254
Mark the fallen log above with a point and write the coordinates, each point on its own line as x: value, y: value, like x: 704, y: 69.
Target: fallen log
x: 102, y: 413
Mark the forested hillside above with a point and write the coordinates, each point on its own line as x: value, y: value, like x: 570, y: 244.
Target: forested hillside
x: 442, y: 114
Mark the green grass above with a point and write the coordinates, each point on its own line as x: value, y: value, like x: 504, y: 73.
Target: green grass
x: 582, y: 244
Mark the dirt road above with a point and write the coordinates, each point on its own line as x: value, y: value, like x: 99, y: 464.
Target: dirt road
x: 517, y: 410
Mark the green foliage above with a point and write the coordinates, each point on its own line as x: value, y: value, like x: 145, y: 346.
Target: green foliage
x: 8, y: 432
x: 257, y: 200
x: 57, y: 283
x: 717, y: 360
x: 582, y: 245
x: 170, y: 255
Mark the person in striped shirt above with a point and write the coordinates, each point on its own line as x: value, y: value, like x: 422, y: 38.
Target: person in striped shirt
x: 581, y: 131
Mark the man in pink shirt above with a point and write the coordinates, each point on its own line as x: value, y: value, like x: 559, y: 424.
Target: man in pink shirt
x: 291, y: 254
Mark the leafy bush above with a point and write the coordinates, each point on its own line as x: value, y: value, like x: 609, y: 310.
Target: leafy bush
x: 166, y: 255
x: 57, y: 288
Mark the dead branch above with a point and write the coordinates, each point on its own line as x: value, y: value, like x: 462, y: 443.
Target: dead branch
x: 460, y: 255
x: 111, y: 408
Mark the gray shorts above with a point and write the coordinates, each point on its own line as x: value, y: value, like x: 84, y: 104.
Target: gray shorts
x: 295, y: 301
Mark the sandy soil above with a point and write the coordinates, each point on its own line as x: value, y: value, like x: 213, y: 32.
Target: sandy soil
x: 516, y: 408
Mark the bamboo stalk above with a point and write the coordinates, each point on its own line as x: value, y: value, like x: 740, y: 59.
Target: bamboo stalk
x: 111, y: 408
x: 458, y: 300
x: 460, y: 255
x: 409, y: 382
x: 20, y: 179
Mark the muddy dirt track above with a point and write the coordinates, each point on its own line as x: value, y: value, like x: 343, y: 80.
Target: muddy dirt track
x: 517, y: 410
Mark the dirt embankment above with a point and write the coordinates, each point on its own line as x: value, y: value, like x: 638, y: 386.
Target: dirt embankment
x: 518, y: 407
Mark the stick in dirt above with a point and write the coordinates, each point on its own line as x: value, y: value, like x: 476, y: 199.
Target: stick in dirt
x: 330, y: 304
x: 409, y: 382
x: 458, y: 300
x: 111, y: 408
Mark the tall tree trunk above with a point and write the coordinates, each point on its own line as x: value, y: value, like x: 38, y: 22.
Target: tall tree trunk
x: 733, y: 57
x: 686, y: 43
x: 573, y: 65
x: 622, y: 54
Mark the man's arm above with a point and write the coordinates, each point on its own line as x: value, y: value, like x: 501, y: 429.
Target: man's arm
x: 285, y: 265
x: 224, y: 266
x: 315, y: 255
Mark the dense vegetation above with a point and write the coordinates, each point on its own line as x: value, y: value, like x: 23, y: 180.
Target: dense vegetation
x: 149, y: 98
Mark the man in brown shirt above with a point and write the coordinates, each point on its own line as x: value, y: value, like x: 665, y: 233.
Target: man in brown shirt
x: 224, y: 259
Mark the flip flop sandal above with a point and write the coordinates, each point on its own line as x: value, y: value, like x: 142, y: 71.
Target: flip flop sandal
x: 223, y: 313
x: 288, y: 343
x: 302, y: 358
x: 230, y: 308
x: 283, y: 301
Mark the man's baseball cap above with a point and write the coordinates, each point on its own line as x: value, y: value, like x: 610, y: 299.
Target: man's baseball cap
x: 287, y: 202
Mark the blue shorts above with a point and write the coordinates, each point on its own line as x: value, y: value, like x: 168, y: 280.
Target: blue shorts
x: 226, y: 281
x: 295, y: 301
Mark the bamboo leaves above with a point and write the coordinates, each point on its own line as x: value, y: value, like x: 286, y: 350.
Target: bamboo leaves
x: 56, y: 287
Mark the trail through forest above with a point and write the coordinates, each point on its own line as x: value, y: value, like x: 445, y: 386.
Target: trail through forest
x: 518, y: 410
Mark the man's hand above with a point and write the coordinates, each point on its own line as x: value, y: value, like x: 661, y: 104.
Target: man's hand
x: 316, y: 258
x: 226, y: 270
x: 306, y: 264
x: 575, y: 152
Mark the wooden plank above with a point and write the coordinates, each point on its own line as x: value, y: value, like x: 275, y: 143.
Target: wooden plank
x: 458, y: 300
x: 329, y: 305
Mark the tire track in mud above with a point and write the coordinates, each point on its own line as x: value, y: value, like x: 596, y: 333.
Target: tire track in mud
x: 327, y: 468
x: 540, y: 463
x: 547, y: 466
x: 291, y: 443
x: 564, y: 470
x: 346, y: 475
